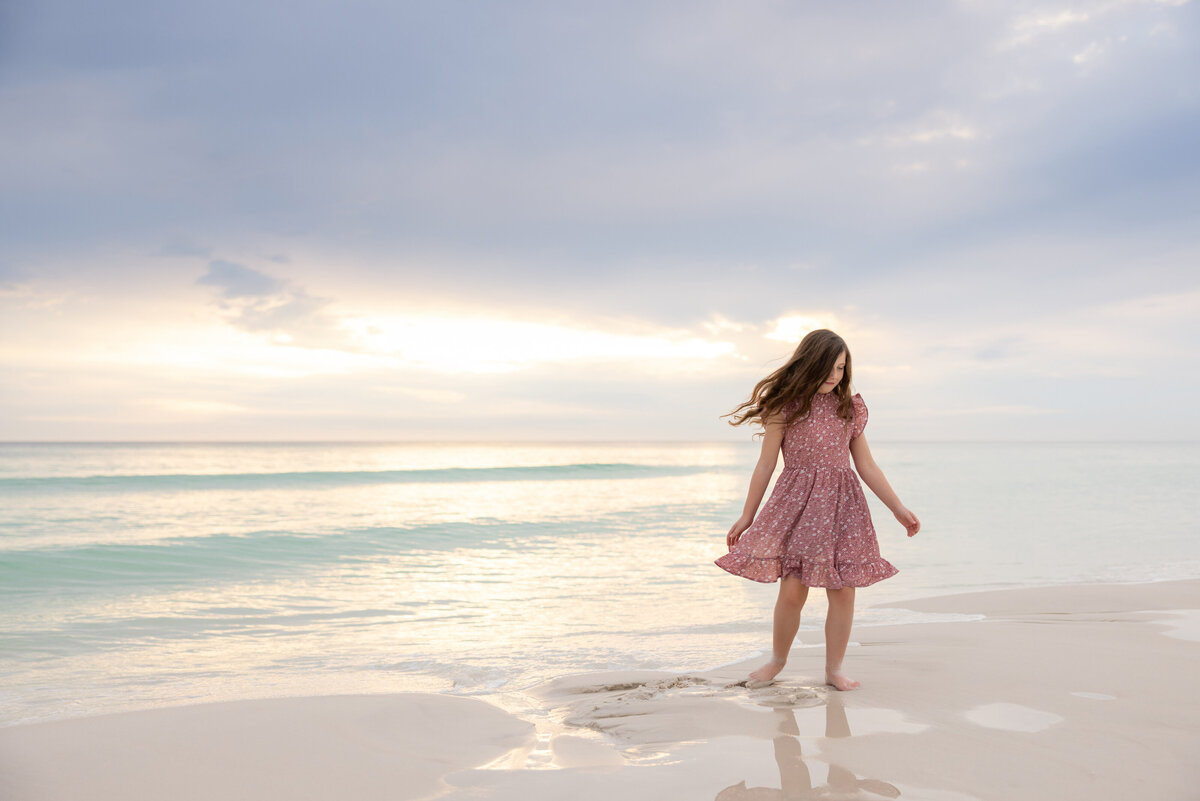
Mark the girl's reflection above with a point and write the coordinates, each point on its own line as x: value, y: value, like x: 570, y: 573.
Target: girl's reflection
x: 795, y: 780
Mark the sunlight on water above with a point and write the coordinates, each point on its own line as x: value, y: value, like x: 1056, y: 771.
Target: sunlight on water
x: 61, y: 519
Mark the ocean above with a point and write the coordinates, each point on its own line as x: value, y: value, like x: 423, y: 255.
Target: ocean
x: 144, y: 575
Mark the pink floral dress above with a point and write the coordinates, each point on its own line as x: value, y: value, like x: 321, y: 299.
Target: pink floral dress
x: 816, y: 524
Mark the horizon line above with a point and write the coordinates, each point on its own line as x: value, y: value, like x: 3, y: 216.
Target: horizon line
x: 554, y: 441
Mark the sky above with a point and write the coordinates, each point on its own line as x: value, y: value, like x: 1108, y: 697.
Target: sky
x: 595, y: 221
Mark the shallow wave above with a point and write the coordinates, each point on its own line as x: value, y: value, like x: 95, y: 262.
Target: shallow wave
x: 228, y: 556
x: 329, y: 478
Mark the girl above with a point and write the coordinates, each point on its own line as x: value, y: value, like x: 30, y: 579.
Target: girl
x: 815, y: 530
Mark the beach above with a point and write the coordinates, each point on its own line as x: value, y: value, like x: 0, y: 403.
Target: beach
x: 1083, y: 691
x: 544, y: 621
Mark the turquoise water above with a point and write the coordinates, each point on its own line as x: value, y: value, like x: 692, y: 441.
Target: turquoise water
x: 137, y: 575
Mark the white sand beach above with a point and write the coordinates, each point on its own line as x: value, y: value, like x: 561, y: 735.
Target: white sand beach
x: 1072, y: 692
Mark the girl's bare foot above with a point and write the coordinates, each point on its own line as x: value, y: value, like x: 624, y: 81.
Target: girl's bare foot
x: 835, y: 677
x: 768, y: 671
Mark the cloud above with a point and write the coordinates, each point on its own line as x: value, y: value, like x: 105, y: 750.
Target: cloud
x: 290, y: 311
x: 178, y: 245
x: 193, y: 407
x: 650, y: 181
x: 448, y: 341
x: 1016, y: 410
x: 1027, y: 27
x: 238, y: 281
x: 11, y: 278
x: 792, y: 328
x: 1000, y: 348
x: 713, y: 133
x: 1031, y: 25
x: 256, y: 302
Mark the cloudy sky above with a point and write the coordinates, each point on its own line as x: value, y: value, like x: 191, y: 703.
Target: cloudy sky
x: 605, y: 220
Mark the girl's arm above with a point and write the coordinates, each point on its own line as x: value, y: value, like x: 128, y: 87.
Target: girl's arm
x: 873, y: 477
x: 767, y: 459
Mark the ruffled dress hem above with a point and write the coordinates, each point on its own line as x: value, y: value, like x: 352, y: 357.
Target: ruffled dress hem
x: 812, y: 574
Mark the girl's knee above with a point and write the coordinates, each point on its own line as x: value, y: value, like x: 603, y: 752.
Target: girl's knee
x: 842, y: 596
x: 793, y: 591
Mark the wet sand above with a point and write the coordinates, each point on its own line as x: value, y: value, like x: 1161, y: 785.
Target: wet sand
x: 1074, y: 692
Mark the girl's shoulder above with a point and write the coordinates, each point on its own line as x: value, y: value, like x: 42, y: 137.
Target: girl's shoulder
x: 787, y: 411
x: 859, y: 417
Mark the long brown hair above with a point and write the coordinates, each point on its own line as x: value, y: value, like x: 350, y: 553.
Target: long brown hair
x: 798, y: 381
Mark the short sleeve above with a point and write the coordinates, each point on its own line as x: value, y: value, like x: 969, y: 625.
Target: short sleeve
x: 860, y: 415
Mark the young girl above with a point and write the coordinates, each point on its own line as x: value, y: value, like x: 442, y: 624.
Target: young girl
x: 815, y: 530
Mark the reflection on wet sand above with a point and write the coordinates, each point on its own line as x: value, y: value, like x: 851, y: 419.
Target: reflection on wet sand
x: 795, y: 778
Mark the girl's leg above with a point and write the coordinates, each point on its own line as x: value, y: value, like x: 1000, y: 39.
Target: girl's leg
x: 837, y: 636
x: 792, y: 595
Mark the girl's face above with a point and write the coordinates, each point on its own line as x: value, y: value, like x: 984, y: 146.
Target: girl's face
x: 835, y: 375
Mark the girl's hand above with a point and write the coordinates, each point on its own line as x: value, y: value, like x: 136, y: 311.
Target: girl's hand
x: 908, y: 520
x: 735, y: 531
